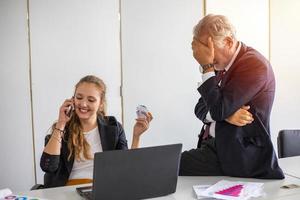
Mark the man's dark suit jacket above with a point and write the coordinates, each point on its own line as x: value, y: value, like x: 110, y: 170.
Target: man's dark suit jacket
x: 243, y: 151
x: 58, y: 168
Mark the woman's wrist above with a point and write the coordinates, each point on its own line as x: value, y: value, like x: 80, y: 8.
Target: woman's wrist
x: 136, y: 136
x: 60, y: 125
x: 57, y: 137
x: 135, y: 141
x: 59, y: 129
x: 61, y: 132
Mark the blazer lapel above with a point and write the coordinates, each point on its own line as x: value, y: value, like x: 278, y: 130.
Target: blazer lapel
x: 107, y: 135
x: 232, y: 68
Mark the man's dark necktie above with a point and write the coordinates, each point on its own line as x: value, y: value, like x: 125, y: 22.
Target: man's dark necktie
x: 220, y: 75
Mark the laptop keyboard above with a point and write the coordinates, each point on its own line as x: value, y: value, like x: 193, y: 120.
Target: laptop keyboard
x: 85, y: 192
x: 88, y: 195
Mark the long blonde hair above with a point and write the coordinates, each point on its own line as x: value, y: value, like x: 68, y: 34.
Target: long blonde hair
x: 77, y: 143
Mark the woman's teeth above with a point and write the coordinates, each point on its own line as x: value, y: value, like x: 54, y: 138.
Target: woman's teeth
x: 83, y: 110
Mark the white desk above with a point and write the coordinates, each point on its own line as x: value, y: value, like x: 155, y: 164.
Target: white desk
x: 184, y: 189
x: 290, y: 166
x: 290, y: 197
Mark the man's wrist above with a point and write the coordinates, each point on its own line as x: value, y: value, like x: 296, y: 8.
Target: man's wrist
x: 206, y: 68
x: 208, y: 65
x: 211, y: 69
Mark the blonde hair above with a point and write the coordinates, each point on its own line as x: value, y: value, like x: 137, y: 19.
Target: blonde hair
x: 216, y: 26
x: 77, y: 143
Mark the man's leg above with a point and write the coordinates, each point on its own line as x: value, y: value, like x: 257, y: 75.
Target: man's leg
x: 202, y: 161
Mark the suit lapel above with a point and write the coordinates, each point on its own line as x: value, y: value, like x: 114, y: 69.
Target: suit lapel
x: 232, y: 68
x: 107, y: 135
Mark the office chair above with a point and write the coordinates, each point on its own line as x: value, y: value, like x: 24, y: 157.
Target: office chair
x: 47, y: 179
x: 288, y: 143
x: 37, y: 187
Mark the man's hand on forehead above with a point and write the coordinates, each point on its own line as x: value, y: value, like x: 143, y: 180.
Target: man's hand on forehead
x: 204, y: 54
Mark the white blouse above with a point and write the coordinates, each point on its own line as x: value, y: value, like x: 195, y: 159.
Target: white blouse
x: 84, y: 169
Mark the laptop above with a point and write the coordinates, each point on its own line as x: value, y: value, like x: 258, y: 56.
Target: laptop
x: 134, y: 174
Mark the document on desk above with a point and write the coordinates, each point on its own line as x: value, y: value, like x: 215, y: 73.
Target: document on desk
x: 6, y: 194
x: 230, y: 190
x: 18, y: 197
x: 198, y: 189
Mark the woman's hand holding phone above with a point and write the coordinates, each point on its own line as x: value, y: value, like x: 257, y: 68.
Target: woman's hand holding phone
x: 65, y: 113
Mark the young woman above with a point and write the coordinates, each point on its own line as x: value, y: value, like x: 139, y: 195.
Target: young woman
x: 81, y: 130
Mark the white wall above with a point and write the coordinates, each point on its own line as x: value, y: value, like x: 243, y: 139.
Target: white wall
x: 16, y: 150
x: 250, y: 18
x: 159, y: 69
x: 71, y: 39
x: 285, y: 43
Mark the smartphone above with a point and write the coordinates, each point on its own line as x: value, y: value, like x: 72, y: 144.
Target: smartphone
x: 141, y: 111
x: 70, y: 110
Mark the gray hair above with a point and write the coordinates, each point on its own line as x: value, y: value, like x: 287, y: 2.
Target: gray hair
x: 216, y: 26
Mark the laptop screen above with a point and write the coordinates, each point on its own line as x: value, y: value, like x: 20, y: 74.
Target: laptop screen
x: 137, y: 173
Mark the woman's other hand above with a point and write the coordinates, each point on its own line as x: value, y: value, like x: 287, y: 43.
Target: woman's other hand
x: 141, y: 125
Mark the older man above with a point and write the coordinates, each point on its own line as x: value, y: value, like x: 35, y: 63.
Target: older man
x: 237, y: 94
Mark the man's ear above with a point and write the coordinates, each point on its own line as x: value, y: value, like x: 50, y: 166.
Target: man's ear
x: 228, y: 42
